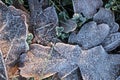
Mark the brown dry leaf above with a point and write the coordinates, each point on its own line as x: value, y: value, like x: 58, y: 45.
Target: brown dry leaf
x: 40, y: 62
x: 64, y: 60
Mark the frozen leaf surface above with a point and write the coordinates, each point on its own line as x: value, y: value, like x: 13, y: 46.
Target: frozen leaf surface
x: 87, y: 7
x: 42, y: 62
x: 91, y: 34
x: 44, y: 22
x: 68, y: 52
x: 112, y: 41
x: 118, y: 78
x: 70, y: 62
x: 3, y: 72
x: 53, y: 76
x: 13, y: 33
x: 106, y: 16
x: 45, y: 32
x: 96, y: 64
x: 73, y: 75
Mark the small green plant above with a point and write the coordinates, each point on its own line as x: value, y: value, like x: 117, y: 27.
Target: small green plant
x: 80, y: 20
x: 63, y: 17
x: 29, y: 38
x: 60, y: 33
x: 113, y: 4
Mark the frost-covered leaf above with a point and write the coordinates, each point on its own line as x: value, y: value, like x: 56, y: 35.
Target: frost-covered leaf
x: 118, y: 78
x: 96, y: 64
x: 41, y: 61
x: 87, y: 7
x: 13, y: 34
x: 64, y: 59
x: 90, y: 35
x: 3, y: 72
x: 70, y: 52
x: 106, y: 16
x: 44, y: 22
x: 112, y: 41
x: 73, y: 75
x: 72, y: 38
x: 53, y: 76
